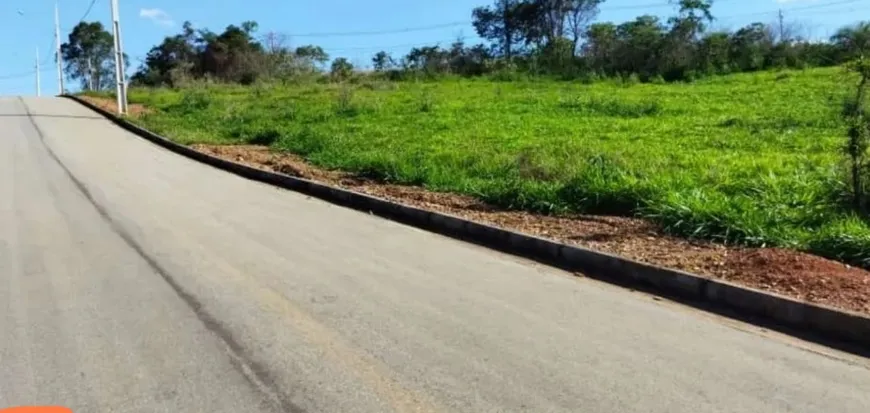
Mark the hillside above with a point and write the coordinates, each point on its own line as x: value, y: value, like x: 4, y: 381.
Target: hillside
x: 752, y: 159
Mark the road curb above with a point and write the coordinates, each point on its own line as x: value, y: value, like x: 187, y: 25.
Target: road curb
x: 796, y: 316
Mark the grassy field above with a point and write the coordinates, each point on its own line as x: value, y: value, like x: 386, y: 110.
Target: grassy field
x: 753, y: 159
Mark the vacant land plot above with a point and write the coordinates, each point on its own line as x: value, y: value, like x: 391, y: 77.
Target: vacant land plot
x: 753, y: 159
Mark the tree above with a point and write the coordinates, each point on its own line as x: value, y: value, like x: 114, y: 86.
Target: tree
x: 250, y: 27
x: 311, y: 56
x: 853, y: 41
x: 681, y: 43
x: 694, y: 15
x: 713, y: 56
x: 382, y: 61
x: 601, y: 47
x: 341, y: 69
x: 279, y: 59
x: 549, y: 20
x: 534, y: 36
x: 234, y: 55
x: 171, y: 60
x: 501, y: 24
x: 89, y: 57
x: 639, y: 46
x: 857, y: 118
x: 558, y: 19
x: 750, y: 46
x: 557, y: 57
x: 579, y: 14
x: 431, y: 60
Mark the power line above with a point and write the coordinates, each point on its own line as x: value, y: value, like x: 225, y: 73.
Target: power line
x: 84, y: 16
x: 648, y: 6
x: 88, y: 11
x: 448, y: 25
x: 837, y: 11
x: 816, y: 6
x: 25, y: 74
x: 468, y: 23
x: 417, y: 44
x: 792, y: 9
x: 393, y: 31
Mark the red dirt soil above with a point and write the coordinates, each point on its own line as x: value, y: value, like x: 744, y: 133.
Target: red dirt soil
x: 111, y: 106
x: 789, y: 273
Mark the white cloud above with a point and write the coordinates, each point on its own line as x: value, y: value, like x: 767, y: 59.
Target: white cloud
x: 158, y: 16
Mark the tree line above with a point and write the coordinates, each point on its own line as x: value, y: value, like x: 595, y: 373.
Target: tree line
x: 521, y: 37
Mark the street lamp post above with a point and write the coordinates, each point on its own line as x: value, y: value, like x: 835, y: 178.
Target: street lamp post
x: 59, y: 58
x: 38, y: 82
x: 121, y: 88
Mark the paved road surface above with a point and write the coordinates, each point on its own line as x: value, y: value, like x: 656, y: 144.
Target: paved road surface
x: 134, y: 280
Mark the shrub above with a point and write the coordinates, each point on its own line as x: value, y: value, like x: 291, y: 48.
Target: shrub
x: 344, y: 104
x: 426, y: 102
x: 195, y: 99
x: 341, y: 69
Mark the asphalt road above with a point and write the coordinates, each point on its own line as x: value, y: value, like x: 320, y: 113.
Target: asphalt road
x: 134, y: 280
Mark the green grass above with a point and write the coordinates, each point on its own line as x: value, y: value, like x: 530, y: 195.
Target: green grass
x: 753, y: 159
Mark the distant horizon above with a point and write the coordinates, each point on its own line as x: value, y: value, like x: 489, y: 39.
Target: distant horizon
x: 348, y: 34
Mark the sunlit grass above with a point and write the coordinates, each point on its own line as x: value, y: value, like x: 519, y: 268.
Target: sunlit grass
x: 752, y: 159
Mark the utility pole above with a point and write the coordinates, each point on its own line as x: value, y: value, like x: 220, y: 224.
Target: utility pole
x: 38, y: 85
x: 90, y: 74
x: 58, y: 56
x: 119, y: 61
x: 782, y: 36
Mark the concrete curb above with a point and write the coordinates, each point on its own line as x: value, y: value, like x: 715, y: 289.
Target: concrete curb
x: 803, y: 317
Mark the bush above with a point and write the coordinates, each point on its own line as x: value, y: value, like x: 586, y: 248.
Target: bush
x: 264, y: 137
x: 248, y: 78
x: 341, y: 69
x: 847, y: 241
x: 344, y: 104
x: 196, y: 99
x: 630, y: 80
x: 427, y: 102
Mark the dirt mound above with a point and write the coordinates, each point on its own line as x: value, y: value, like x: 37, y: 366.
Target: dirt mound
x: 803, y: 276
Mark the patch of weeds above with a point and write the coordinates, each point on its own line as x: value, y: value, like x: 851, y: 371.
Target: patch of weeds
x: 344, y: 102
x: 378, y: 85
x: 265, y: 137
x: 657, y: 80
x: 306, y: 142
x: 733, y: 123
x: 630, y: 80
x: 778, y: 123
x: 193, y: 100
x: 529, y: 167
x: 426, y: 103
x: 613, y: 107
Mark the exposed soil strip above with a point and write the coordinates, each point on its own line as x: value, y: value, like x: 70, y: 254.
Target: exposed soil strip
x: 790, y: 273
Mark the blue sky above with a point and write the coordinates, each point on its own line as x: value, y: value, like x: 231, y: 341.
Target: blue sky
x: 28, y: 24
